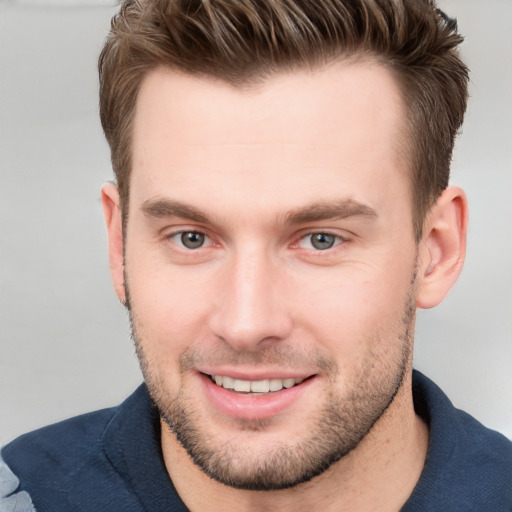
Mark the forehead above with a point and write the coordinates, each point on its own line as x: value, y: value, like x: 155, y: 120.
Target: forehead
x: 284, y: 138
x: 328, y: 95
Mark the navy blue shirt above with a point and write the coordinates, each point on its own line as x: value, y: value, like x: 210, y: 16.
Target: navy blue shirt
x: 111, y: 460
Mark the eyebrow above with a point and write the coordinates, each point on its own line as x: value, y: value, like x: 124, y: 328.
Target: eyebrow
x: 161, y: 208
x: 323, y: 210
x: 334, y: 210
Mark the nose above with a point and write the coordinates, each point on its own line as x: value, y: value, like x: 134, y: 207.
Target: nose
x: 251, y: 309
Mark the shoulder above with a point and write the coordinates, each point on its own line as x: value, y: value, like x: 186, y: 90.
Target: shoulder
x: 11, y: 498
x: 451, y: 427
x: 63, y: 464
x: 60, y: 447
x: 42, y: 465
x: 468, y: 466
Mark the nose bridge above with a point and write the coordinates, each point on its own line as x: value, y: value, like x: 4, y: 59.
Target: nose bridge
x: 251, y: 307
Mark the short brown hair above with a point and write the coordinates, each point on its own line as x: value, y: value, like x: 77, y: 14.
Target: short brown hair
x: 240, y: 41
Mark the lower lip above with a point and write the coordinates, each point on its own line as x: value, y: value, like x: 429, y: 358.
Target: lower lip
x: 250, y: 406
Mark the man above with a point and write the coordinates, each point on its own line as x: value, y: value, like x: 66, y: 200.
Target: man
x: 281, y: 209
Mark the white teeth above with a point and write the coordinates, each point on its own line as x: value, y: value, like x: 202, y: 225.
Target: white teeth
x: 242, y: 385
x: 276, y: 384
x: 288, y: 383
x: 260, y: 386
x: 254, y: 386
x: 227, y: 383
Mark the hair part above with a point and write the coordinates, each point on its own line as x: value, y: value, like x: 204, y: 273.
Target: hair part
x: 243, y: 42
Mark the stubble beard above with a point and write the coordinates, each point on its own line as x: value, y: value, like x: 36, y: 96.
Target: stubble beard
x: 340, y: 426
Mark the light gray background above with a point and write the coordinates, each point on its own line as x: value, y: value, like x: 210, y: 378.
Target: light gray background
x: 64, y: 339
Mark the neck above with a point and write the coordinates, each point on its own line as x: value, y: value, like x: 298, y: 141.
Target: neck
x: 379, y: 474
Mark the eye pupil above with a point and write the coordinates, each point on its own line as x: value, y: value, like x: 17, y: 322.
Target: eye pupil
x: 192, y: 239
x: 322, y: 241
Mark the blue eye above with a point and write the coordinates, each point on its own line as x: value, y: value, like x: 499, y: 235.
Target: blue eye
x: 191, y: 239
x: 319, y: 241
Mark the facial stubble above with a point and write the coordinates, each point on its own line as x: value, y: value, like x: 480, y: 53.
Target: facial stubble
x: 339, y: 427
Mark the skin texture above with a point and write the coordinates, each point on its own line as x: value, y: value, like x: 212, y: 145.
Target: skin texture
x: 258, y: 172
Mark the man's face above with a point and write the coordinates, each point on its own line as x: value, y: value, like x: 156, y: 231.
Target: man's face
x: 270, y: 262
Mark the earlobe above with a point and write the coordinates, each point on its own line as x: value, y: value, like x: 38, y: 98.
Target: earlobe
x: 442, y: 248
x: 113, y: 221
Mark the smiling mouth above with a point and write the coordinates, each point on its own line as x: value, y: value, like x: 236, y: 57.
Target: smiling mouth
x: 254, y: 386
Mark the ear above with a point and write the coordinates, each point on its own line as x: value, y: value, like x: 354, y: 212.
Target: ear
x: 112, y: 214
x: 442, y: 248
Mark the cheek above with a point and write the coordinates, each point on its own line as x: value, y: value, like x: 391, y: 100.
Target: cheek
x: 169, y: 311
x: 356, y: 308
